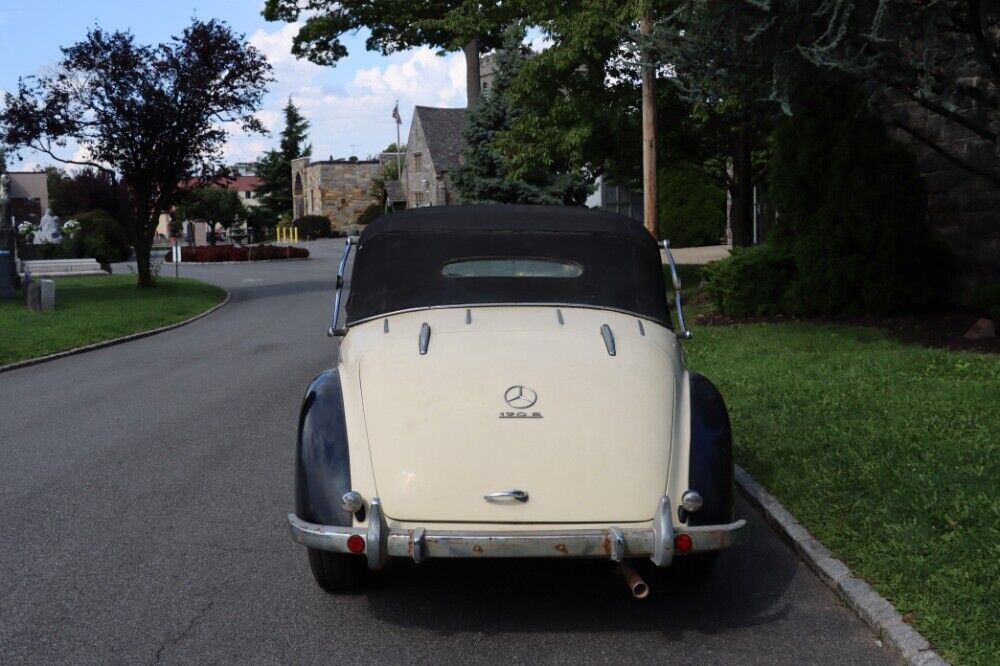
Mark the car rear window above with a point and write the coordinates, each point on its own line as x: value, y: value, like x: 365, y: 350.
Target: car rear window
x: 511, y: 267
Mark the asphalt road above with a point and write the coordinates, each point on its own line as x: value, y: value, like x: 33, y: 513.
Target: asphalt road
x: 143, y: 492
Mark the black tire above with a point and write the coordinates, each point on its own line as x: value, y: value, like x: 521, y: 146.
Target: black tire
x: 690, y: 572
x: 337, y: 572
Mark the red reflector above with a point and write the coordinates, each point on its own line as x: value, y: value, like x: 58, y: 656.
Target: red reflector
x: 356, y: 543
x: 682, y: 542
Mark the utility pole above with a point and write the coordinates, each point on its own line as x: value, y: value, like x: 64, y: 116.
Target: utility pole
x: 648, y: 128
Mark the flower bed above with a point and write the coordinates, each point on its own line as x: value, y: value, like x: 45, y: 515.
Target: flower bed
x: 218, y: 253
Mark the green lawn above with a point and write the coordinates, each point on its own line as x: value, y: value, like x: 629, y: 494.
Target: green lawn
x: 889, y: 454
x: 91, y: 309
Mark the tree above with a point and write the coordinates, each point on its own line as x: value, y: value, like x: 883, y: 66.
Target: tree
x: 721, y: 67
x: 943, y: 56
x: 275, y: 166
x: 86, y: 189
x: 213, y: 205
x: 483, y: 175
x: 448, y: 25
x: 388, y: 170
x: 151, y: 117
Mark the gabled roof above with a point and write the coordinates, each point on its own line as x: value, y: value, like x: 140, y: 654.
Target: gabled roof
x: 443, y: 132
x: 394, y: 191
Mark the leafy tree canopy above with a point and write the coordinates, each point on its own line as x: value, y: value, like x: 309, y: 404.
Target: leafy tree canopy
x: 213, y: 205
x: 152, y: 117
x: 86, y: 189
x: 393, y: 26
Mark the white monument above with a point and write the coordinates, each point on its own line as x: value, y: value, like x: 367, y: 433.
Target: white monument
x: 49, y: 229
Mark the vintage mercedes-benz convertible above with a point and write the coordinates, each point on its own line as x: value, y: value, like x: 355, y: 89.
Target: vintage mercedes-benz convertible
x: 509, y: 384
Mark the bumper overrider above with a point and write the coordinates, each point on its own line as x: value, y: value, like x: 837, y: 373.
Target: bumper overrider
x: 658, y: 542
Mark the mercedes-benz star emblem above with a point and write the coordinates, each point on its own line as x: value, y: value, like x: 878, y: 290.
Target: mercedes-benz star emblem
x: 520, y: 397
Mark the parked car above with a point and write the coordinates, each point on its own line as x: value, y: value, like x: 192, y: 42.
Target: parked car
x: 509, y: 384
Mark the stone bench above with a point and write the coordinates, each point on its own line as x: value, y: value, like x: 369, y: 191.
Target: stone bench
x: 57, y: 267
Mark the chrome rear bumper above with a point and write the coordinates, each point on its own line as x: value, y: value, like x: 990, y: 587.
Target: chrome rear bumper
x: 418, y: 544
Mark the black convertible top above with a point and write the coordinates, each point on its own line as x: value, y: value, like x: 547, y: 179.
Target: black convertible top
x: 403, y: 260
x: 507, y: 217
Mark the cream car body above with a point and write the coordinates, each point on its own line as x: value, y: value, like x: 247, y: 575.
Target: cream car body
x: 476, y: 427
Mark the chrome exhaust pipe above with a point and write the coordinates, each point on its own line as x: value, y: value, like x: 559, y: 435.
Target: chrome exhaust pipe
x: 639, y: 588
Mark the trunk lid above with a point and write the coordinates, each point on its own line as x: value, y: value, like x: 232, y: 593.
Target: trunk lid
x: 594, y: 445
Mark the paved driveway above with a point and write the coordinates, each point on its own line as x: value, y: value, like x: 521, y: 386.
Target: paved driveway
x: 143, y: 492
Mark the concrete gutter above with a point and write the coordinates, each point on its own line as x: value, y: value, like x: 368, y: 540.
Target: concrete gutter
x: 900, y: 638
x: 115, y: 341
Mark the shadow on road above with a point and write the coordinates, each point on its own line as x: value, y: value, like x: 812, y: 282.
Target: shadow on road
x: 522, y: 596
x: 254, y: 291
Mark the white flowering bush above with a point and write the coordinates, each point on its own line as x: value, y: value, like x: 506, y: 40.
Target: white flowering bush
x: 27, y: 231
x: 70, y: 230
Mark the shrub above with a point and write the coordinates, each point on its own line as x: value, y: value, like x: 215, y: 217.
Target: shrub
x: 217, y: 253
x: 852, y: 210
x: 986, y: 300
x: 54, y: 251
x: 692, y: 208
x: 750, y: 282
x: 101, y: 237
x: 312, y: 227
x: 369, y: 214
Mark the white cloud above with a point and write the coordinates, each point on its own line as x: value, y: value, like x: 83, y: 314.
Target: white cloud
x: 351, y: 116
x: 349, y: 107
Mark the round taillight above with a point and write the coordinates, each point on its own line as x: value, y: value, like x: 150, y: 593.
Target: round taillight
x: 356, y: 543
x: 682, y: 542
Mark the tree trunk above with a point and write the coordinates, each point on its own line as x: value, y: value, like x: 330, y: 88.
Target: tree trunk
x: 143, y: 246
x: 649, y: 213
x: 741, y: 188
x: 472, y: 82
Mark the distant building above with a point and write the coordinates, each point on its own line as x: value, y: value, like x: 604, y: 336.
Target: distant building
x: 29, y: 195
x: 616, y: 199
x: 339, y: 190
x: 433, y: 148
x: 487, y: 69
x: 245, y: 187
x: 246, y: 168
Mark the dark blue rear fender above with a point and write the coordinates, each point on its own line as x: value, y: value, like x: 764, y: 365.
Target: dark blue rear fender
x: 710, y: 470
x: 322, y: 460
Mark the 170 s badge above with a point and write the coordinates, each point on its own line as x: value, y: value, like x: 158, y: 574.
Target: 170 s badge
x: 520, y: 398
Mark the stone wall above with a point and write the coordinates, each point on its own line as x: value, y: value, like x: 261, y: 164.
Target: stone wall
x: 963, y: 208
x: 340, y: 190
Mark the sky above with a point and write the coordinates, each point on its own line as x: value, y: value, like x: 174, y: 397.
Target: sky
x: 349, y: 106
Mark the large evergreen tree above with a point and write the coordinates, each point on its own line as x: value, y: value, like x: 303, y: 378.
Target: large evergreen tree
x: 484, y: 176
x: 275, y: 166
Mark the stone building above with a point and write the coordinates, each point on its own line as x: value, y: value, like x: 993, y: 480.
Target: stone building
x: 29, y: 195
x: 433, y: 147
x: 339, y: 190
x: 962, y: 207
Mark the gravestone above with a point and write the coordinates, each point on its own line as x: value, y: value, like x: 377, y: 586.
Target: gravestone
x: 33, y: 296
x: 8, y: 240
x: 8, y: 275
x: 47, y: 298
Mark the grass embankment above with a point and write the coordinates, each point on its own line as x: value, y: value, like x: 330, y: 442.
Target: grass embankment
x: 888, y: 453
x: 95, y: 308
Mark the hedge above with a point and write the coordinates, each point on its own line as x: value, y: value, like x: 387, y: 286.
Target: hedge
x: 218, y: 253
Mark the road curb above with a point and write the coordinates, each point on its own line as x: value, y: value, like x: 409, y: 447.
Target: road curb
x: 900, y: 638
x: 114, y: 341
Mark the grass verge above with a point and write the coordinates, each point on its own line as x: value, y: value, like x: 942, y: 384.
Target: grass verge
x: 96, y: 308
x: 888, y: 453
